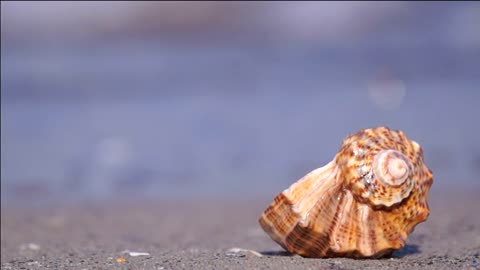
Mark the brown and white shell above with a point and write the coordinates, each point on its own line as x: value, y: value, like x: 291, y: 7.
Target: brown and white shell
x: 362, y: 204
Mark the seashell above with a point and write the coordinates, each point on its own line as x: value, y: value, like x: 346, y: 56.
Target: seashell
x: 363, y: 204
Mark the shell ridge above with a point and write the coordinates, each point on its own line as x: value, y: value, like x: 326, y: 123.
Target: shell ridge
x: 323, y: 180
x: 280, y: 225
x: 273, y: 223
x: 330, y: 188
x: 320, y: 226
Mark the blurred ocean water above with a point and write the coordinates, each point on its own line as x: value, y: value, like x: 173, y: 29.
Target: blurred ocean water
x: 131, y: 120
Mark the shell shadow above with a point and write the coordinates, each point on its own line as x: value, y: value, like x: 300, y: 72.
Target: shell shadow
x: 277, y: 253
x: 406, y: 250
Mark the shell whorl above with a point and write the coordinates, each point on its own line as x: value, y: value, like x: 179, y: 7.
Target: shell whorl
x: 378, y: 165
x: 392, y: 167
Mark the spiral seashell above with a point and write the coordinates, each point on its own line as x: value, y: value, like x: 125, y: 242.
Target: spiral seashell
x: 364, y: 203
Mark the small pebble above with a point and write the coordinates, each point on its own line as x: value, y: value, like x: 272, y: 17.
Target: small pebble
x: 240, y: 252
x: 34, y: 263
x: 30, y: 246
x: 135, y: 253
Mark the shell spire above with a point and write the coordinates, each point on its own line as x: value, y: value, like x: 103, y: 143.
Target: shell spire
x: 364, y: 203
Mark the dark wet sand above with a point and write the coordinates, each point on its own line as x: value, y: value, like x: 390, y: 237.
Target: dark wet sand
x: 197, y: 235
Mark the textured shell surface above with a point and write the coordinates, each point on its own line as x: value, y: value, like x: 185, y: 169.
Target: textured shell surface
x: 363, y: 204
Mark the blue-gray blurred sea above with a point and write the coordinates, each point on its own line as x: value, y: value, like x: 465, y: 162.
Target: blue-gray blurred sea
x: 141, y: 120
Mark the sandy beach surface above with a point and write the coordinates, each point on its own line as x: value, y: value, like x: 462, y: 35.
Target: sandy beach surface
x: 213, y: 235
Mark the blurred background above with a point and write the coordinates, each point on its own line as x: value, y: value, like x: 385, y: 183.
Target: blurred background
x: 189, y: 100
